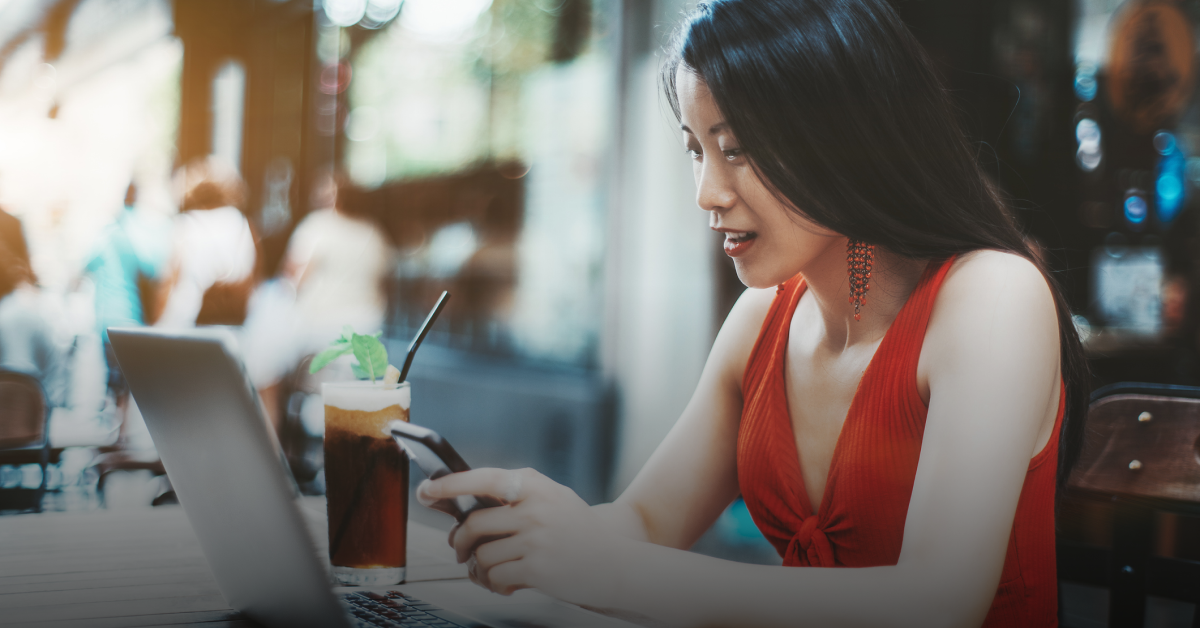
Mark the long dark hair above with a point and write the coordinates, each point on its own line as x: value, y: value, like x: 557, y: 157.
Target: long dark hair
x: 843, y: 114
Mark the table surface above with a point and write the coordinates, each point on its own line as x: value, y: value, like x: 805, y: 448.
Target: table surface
x: 144, y: 568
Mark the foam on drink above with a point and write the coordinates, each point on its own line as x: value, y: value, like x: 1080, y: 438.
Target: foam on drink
x: 367, y: 396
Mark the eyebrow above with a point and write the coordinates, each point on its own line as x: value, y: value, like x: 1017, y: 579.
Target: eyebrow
x: 712, y: 130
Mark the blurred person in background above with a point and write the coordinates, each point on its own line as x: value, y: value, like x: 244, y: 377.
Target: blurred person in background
x: 339, y: 260
x: 125, y: 269
x: 212, y: 269
x: 27, y: 341
x: 333, y: 274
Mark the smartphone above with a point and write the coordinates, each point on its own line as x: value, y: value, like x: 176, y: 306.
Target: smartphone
x: 436, y: 458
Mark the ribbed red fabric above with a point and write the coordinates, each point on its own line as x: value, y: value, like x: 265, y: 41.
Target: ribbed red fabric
x: 859, y: 522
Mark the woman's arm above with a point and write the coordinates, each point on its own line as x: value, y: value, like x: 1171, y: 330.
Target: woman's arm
x: 991, y: 361
x: 692, y: 475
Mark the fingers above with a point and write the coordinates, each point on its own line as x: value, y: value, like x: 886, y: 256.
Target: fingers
x: 481, y: 527
x: 473, y: 573
x: 505, y: 578
x: 491, y: 554
x: 509, y: 577
x: 473, y: 482
x: 508, y: 486
x: 422, y: 497
x: 447, y: 506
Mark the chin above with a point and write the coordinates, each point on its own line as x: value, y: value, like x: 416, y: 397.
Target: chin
x: 756, y: 276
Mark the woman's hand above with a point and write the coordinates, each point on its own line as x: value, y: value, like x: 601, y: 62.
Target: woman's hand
x: 544, y: 537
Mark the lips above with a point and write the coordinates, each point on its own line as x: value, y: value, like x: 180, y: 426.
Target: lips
x: 738, y: 242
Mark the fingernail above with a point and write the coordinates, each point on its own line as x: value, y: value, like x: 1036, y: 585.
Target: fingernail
x: 423, y: 493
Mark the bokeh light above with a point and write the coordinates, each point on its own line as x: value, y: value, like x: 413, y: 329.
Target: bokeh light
x: 1136, y: 207
x: 345, y: 12
x: 335, y: 77
x: 1085, y: 82
x: 441, y: 19
x: 1169, y: 191
x: 1089, y: 155
x: 362, y: 124
x: 1164, y: 143
x: 380, y: 12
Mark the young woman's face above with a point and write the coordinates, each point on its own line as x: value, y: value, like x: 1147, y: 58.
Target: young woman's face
x: 769, y: 243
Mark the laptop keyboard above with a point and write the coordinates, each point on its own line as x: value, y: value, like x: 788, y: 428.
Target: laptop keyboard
x: 396, y: 609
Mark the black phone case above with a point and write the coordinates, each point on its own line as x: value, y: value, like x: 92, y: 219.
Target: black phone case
x: 420, y: 443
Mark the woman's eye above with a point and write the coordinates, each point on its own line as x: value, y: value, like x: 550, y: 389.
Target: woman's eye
x: 732, y: 154
x: 694, y: 153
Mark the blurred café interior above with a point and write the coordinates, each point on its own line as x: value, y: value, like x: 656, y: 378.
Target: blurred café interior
x: 519, y: 154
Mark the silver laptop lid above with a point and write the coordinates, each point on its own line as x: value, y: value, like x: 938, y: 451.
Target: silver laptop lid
x: 224, y: 464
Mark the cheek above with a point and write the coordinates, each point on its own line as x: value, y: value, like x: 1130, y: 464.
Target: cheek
x: 793, y: 225
x: 766, y: 206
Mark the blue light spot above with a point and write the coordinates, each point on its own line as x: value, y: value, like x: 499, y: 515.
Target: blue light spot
x: 1169, y: 188
x: 1164, y: 143
x: 1085, y: 83
x: 1169, y: 192
x: 1135, y: 209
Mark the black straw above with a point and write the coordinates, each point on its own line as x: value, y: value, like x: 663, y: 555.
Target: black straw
x: 412, y: 348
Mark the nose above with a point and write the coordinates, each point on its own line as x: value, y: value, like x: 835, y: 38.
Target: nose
x: 714, y: 186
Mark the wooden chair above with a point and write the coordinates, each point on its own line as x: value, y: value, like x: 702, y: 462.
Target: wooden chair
x: 1141, y: 451
x: 25, y: 426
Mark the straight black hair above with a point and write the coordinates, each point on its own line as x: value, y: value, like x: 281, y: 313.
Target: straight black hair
x: 843, y: 114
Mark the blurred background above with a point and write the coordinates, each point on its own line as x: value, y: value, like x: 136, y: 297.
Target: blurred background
x: 287, y: 167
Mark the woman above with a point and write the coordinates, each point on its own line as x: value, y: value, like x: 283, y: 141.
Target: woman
x: 339, y: 260
x: 212, y: 269
x: 906, y: 422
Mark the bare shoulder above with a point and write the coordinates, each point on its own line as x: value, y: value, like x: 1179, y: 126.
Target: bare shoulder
x: 740, y: 331
x: 990, y: 362
x: 742, y: 326
x: 751, y: 307
x: 993, y: 296
x: 979, y: 279
x: 989, y: 269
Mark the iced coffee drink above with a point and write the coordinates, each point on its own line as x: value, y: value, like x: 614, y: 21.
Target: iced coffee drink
x: 366, y: 478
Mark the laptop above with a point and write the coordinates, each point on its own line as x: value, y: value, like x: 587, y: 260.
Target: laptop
x: 229, y: 473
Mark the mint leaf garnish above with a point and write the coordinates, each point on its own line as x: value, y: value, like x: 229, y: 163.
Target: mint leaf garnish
x: 371, y: 354
x: 335, y: 351
x: 368, y: 349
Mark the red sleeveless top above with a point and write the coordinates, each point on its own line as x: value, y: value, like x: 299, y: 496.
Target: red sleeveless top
x: 859, y: 522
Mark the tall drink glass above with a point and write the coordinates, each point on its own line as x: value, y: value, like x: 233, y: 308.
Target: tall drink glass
x: 366, y: 482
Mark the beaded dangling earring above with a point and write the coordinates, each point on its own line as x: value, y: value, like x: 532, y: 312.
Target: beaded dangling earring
x: 860, y: 257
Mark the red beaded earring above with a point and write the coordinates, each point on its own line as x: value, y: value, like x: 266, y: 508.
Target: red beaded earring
x: 860, y: 257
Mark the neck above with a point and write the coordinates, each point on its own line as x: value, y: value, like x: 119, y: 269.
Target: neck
x: 893, y: 278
